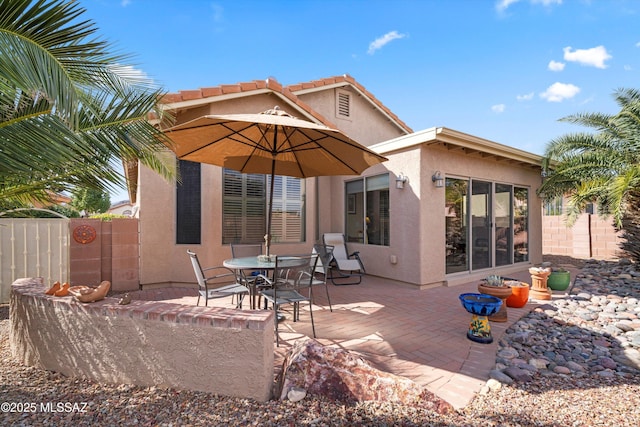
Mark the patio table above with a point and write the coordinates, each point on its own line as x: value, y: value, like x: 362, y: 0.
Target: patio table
x: 255, y: 264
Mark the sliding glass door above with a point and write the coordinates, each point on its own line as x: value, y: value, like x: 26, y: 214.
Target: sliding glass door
x: 456, y: 224
x: 481, y: 224
x: 503, y: 235
x: 486, y: 227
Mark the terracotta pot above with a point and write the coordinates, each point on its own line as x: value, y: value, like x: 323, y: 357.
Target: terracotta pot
x: 502, y: 292
x: 519, y: 295
x: 539, y: 289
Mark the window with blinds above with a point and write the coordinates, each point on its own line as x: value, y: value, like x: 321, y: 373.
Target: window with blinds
x: 245, y: 204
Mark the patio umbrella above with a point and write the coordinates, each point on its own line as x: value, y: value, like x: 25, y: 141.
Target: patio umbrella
x: 272, y: 142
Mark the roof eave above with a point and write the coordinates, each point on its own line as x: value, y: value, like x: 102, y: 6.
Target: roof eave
x: 462, y: 140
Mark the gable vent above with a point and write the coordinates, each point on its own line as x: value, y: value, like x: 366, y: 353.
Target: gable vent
x: 343, y: 104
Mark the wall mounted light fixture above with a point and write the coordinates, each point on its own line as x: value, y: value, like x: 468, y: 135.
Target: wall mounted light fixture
x: 438, y: 179
x: 401, y: 180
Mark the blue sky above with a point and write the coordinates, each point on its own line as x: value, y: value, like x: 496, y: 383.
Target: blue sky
x: 504, y: 70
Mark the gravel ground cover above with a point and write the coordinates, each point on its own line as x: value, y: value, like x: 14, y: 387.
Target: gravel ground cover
x: 35, y: 397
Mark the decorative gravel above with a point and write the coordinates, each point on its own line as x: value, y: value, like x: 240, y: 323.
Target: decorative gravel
x: 605, y: 392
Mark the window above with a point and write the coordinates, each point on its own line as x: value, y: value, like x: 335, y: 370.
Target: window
x: 367, y: 210
x: 244, y: 208
x: 553, y: 207
x: 188, y: 203
x: 343, y: 104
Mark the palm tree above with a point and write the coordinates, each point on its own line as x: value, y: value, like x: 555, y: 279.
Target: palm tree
x: 70, y: 110
x: 602, y: 166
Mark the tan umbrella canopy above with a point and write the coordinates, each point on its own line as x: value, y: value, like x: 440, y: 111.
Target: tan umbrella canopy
x: 272, y: 142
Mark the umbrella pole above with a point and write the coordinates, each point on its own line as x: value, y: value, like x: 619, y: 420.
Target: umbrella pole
x: 267, y: 237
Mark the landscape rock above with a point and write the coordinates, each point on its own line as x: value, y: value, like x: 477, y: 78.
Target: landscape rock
x: 339, y: 375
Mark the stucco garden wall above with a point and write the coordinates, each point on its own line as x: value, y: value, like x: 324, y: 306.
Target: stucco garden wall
x: 224, y: 351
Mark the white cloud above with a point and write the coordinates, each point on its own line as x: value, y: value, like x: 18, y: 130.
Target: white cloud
x: 638, y: 44
x: 502, y: 5
x: 596, y: 56
x: 558, y: 92
x: 547, y: 2
x: 526, y: 97
x: 125, y: 3
x: 217, y: 12
x: 132, y: 74
x: 382, y: 41
x: 498, y: 108
x: 628, y: 68
x: 556, y: 66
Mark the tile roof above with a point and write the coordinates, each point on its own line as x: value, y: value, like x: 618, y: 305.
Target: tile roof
x: 289, y: 92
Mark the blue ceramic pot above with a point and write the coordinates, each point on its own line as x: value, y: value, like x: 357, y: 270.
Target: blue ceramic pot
x: 480, y: 304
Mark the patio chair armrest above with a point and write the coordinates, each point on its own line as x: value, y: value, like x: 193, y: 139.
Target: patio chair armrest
x: 224, y: 272
x: 263, y: 277
x: 356, y: 255
x: 301, y: 276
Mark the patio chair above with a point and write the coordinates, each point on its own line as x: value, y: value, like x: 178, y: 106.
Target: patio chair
x: 348, y: 267
x: 249, y: 278
x: 292, y: 276
x: 220, y: 282
x: 325, y: 254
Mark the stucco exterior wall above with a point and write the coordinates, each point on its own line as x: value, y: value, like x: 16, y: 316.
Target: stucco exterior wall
x: 162, y: 261
x: 216, y: 350
x: 453, y: 163
x: 362, y: 112
x: 416, y: 254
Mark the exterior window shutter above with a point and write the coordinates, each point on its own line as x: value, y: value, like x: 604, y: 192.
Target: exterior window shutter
x: 188, y: 206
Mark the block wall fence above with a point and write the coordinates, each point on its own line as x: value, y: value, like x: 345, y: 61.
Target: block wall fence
x: 591, y: 236
x: 101, y: 250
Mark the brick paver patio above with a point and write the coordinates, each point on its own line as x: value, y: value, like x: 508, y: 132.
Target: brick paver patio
x: 419, y: 334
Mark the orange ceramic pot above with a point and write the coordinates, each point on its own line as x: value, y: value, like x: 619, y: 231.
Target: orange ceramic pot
x: 519, y: 295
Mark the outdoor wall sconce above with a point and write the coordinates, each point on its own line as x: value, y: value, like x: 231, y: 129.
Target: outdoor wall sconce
x: 401, y: 180
x: 438, y: 179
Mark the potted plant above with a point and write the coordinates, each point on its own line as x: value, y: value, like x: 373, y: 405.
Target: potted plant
x: 519, y: 293
x: 494, y: 285
x: 559, y: 279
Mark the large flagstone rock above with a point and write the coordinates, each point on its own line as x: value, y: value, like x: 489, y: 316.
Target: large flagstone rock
x: 339, y: 375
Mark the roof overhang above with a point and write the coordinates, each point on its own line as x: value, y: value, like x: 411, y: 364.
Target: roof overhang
x: 461, y: 142
x: 287, y: 104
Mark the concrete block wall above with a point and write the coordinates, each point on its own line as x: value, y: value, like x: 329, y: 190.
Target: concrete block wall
x: 146, y: 343
x: 591, y: 236
x: 113, y: 255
